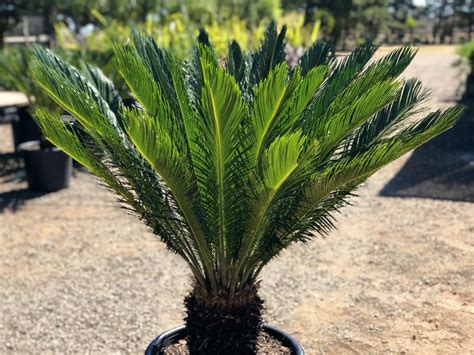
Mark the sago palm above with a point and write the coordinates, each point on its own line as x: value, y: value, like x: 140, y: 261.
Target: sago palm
x: 230, y: 164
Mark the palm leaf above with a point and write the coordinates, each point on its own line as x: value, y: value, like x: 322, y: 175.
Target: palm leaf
x: 270, y: 54
x: 320, y: 53
x: 220, y: 154
x: 409, y: 97
x: 237, y: 65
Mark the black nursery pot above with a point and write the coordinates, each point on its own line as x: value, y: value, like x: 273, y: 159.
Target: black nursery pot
x: 47, y: 168
x: 25, y: 128
x: 179, y: 333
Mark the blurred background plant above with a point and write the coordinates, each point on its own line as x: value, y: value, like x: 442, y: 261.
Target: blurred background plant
x: 467, y: 52
x: 85, y: 27
x: 345, y: 22
x: 82, y: 30
x: 15, y: 75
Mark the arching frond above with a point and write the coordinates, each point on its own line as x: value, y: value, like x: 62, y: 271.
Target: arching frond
x: 270, y: 54
x: 408, y: 101
x: 237, y: 65
x: 220, y: 156
x: 320, y: 53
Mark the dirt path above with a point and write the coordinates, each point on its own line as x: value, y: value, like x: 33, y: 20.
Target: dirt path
x: 77, y: 274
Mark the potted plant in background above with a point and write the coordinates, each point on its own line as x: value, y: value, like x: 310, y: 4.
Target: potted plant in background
x: 231, y: 165
x: 47, y: 168
x: 14, y: 75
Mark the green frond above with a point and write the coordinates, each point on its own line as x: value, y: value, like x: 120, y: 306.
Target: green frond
x: 427, y: 128
x: 142, y: 83
x: 104, y: 86
x: 340, y: 120
x: 320, y: 53
x: 157, y: 146
x: 279, y: 101
x: 353, y: 63
x: 407, y: 104
x: 220, y: 159
x: 331, y: 186
x: 166, y: 71
x: 338, y: 81
x: 270, y: 100
x: 358, y: 166
x: 305, y: 91
x: 301, y: 227
x: 383, y: 70
x: 393, y: 64
x: 194, y: 68
x: 269, y: 55
x: 281, y: 159
x: 79, y: 97
x: 277, y: 177
x: 363, y: 96
x: 63, y: 136
x: 237, y: 65
x: 70, y: 90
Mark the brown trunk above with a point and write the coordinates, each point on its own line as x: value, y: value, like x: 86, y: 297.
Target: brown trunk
x: 223, y: 325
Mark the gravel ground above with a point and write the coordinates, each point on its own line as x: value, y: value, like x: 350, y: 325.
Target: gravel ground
x: 79, y: 275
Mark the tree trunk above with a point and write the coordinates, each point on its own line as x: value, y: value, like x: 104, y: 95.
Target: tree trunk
x: 309, y: 8
x: 3, y: 30
x: 441, y: 21
x: 223, y: 325
x: 470, y: 19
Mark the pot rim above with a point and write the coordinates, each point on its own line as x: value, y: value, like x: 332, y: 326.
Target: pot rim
x: 35, y: 146
x: 170, y: 336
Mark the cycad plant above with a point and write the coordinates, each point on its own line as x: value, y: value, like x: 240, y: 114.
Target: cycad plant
x: 230, y: 164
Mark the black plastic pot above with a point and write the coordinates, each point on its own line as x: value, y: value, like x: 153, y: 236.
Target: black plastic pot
x: 174, y: 335
x: 47, y: 168
x: 25, y: 128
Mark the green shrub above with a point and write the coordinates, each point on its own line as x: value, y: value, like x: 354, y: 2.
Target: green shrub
x: 15, y: 74
x: 467, y: 51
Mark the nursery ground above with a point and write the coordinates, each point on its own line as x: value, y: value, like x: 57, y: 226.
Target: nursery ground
x: 78, y: 274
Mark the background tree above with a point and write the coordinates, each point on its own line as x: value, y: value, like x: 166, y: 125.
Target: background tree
x: 339, y: 10
x: 9, y: 17
x: 342, y: 22
x: 402, y: 19
x: 369, y: 18
x: 464, y: 12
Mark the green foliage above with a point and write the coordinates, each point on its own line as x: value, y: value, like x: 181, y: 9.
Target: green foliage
x: 231, y: 165
x: 370, y: 18
x: 176, y: 31
x: 467, y: 51
x: 95, y: 49
x: 15, y: 74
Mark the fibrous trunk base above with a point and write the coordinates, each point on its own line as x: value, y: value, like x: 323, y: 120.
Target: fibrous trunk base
x: 222, y: 324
